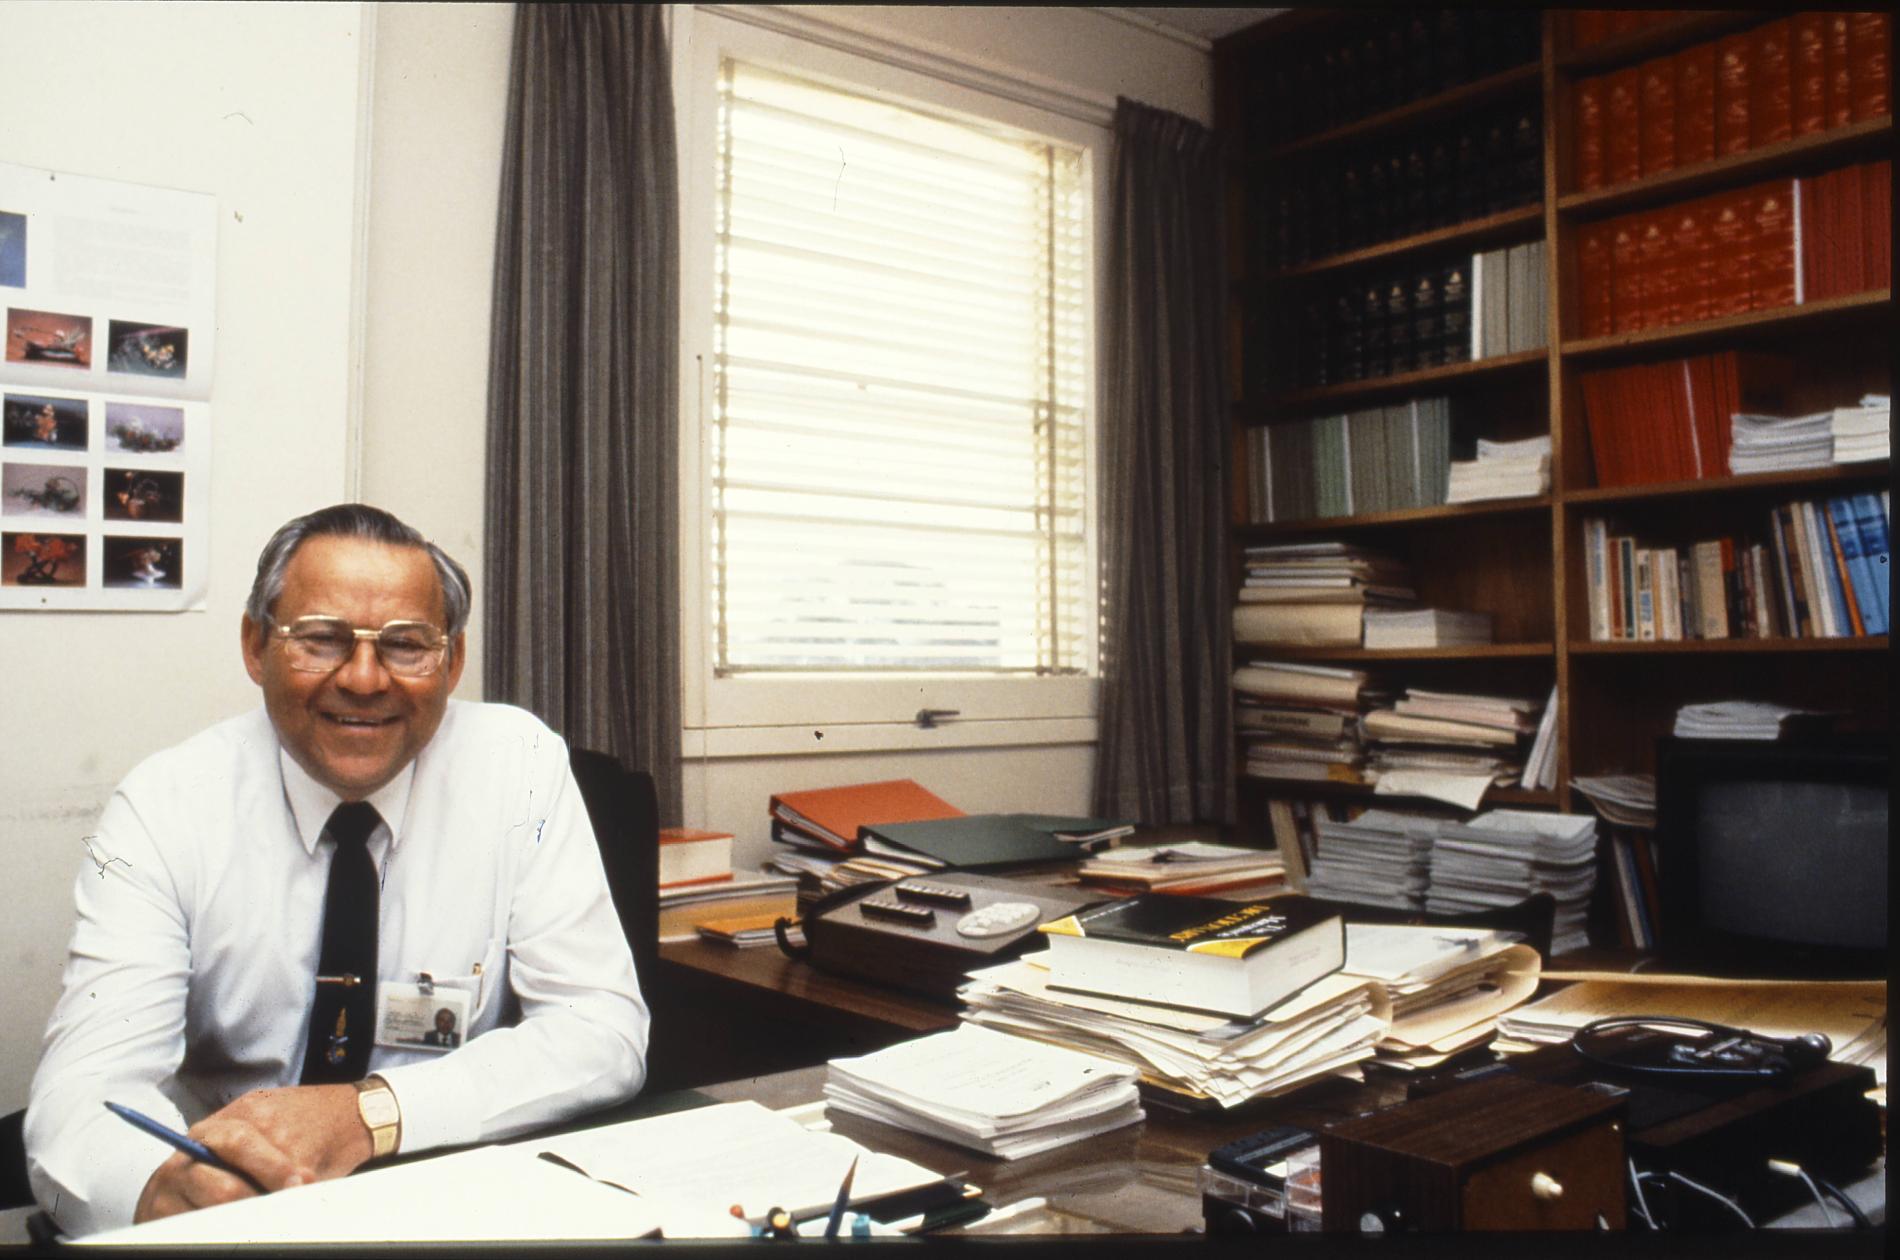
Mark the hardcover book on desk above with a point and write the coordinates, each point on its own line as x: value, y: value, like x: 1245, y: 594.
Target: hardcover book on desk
x: 1196, y: 952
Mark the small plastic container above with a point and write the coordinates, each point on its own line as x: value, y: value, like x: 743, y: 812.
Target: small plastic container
x: 1303, y: 1190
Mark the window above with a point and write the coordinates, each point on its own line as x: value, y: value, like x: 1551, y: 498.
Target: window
x: 898, y: 395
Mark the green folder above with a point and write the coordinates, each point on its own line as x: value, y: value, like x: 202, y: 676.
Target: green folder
x: 977, y: 841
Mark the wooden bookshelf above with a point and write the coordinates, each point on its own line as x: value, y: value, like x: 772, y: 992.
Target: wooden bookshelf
x: 1522, y: 560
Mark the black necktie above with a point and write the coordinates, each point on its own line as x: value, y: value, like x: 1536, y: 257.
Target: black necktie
x: 343, y: 1017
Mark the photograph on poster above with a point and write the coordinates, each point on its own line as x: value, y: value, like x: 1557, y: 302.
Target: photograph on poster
x: 43, y: 490
x: 143, y: 428
x: 48, y: 424
x: 42, y: 559
x: 148, y: 349
x: 48, y: 337
x: 143, y: 563
x: 12, y: 249
x: 133, y: 494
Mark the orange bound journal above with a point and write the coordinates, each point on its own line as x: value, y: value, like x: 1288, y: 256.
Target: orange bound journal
x: 1770, y: 85
x: 1622, y: 127
x: 1589, y: 94
x: 1869, y: 55
x: 1695, y: 104
x: 834, y: 814
x: 1837, y: 63
x: 1657, y: 110
x: 1809, y: 72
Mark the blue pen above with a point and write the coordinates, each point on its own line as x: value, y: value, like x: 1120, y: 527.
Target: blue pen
x: 178, y: 1141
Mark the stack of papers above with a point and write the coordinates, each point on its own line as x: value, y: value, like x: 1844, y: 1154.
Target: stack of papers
x: 1780, y: 443
x: 1501, y: 857
x: 1300, y: 721
x: 1381, y: 858
x: 1425, y: 627
x: 1329, y: 1025
x: 1502, y: 470
x: 1864, y: 432
x: 1626, y: 799
x: 1002, y: 1095
x: 1448, y: 986
x: 1450, y: 746
x: 683, y: 909
x: 1732, y: 719
x: 1196, y: 868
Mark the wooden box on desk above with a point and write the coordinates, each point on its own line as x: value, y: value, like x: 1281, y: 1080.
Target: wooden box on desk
x: 1504, y: 1153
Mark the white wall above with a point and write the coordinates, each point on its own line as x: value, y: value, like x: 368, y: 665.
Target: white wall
x: 257, y: 104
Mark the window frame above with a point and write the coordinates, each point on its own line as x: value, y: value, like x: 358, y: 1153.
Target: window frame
x: 785, y: 714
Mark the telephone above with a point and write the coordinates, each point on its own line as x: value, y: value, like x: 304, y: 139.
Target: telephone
x: 924, y: 933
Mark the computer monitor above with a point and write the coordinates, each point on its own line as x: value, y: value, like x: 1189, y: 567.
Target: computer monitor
x: 1772, y: 856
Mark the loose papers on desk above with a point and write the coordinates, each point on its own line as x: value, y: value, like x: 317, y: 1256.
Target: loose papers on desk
x: 1447, y: 986
x: 1328, y: 1025
x: 684, y: 1170
x: 1001, y: 1095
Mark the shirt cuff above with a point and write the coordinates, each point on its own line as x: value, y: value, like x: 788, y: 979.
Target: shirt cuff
x: 433, y: 1101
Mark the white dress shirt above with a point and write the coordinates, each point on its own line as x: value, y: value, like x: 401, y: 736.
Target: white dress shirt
x: 194, y: 957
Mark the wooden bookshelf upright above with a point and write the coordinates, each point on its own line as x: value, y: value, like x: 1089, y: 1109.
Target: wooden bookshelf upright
x: 1522, y: 560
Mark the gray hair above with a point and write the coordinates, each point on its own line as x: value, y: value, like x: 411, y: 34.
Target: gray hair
x: 354, y: 520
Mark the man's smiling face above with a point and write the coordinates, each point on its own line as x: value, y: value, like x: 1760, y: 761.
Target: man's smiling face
x: 355, y: 728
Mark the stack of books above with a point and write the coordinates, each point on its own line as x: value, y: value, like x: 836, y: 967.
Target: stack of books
x: 1208, y: 1000
x: 1863, y: 432
x: 1427, y: 734
x: 1192, y: 868
x: 1425, y: 627
x: 1376, y: 459
x: 1300, y: 721
x: 1502, y: 470
x: 1501, y: 857
x: 1381, y: 858
x: 744, y: 895
x: 1315, y: 594
x: 1507, y: 300
x: 989, y: 1091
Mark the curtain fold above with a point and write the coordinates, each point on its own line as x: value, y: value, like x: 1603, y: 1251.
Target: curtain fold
x: 1166, y: 748
x: 581, y: 607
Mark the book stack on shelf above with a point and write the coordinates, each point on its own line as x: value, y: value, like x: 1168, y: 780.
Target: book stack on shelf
x: 1374, y: 459
x: 1502, y: 470
x: 1316, y: 594
x: 1864, y: 432
x: 1841, y: 435
x: 1735, y: 719
x: 1793, y: 76
x: 1500, y: 857
x: 1401, y: 628
x: 1381, y: 858
x: 1300, y: 721
x: 1448, y: 745
x: 1820, y: 571
x: 1507, y: 300
x: 1671, y: 420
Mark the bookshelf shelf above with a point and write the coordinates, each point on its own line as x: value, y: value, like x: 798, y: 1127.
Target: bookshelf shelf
x: 1469, y: 652
x: 1261, y: 532
x: 1404, y: 383
x: 1653, y: 41
x: 1796, y: 479
x: 1824, y: 148
x: 1867, y: 308
x: 1478, y: 234
x: 1731, y: 647
x: 1427, y: 109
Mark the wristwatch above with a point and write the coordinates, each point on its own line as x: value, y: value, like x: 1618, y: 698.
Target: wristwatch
x: 376, y: 1103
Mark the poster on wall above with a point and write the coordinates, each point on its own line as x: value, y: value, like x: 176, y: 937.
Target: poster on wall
x: 107, y: 292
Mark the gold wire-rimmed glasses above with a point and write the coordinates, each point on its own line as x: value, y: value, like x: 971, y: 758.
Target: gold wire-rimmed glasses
x: 319, y: 644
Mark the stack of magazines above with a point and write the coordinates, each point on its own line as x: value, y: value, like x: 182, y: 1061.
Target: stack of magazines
x: 1501, y: 857
x: 1381, y: 858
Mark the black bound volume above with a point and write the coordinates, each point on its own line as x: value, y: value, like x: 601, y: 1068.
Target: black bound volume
x: 1440, y: 182
x: 1347, y: 347
x: 1454, y: 319
x: 1427, y: 320
x: 1372, y: 325
x: 1398, y: 325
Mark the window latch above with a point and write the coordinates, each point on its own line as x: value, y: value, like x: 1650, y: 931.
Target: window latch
x: 927, y: 718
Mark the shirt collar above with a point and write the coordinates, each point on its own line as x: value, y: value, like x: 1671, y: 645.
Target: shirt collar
x: 311, y: 803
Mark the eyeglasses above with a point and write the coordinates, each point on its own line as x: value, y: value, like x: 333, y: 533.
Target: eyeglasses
x: 319, y: 645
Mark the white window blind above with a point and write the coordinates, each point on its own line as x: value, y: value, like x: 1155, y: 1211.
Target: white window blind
x: 898, y: 412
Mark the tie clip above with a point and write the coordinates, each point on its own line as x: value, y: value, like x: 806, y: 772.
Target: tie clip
x: 347, y: 980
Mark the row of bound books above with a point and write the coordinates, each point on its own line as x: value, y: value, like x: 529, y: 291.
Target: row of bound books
x: 1377, y: 325
x: 1485, y: 164
x: 1745, y: 249
x: 1381, y: 61
x: 1508, y: 297
x: 1794, y: 76
x: 1671, y: 420
x: 1818, y: 571
x: 1376, y: 459
x: 1634, y: 889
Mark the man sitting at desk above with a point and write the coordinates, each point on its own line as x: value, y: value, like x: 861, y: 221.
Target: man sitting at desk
x: 272, y: 908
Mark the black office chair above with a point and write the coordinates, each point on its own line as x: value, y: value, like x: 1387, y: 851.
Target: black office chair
x: 625, y: 811
x: 14, y: 1190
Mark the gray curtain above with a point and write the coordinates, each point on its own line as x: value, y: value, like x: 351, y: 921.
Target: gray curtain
x: 582, y: 601
x: 1166, y: 751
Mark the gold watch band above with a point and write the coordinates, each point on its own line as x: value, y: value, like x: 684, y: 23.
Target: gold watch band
x: 376, y: 1104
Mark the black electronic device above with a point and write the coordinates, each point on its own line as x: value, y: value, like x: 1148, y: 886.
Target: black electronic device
x: 925, y: 933
x: 1696, y: 1050
x: 1777, y: 855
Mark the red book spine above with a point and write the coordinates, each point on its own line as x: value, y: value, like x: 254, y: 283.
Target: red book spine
x: 1850, y: 232
x: 1731, y: 240
x: 1652, y: 259
x: 1877, y: 186
x: 1773, y: 281
x: 1596, y: 411
x: 1695, y: 104
x: 1627, y: 414
x: 1814, y: 232
x: 1732, y: 55
x: 1589, y: 114
x: 1870, y: 80
x: 1809, y: 66
x: 1723, y: 368
x: 1626, y: 277
x: 1589, y: 26
x: 1623, y: 21
x: 1622, y: 125
x: 1594, y: 301
x: 1689, y: 255
x: 1680, y: 459
x: 1770, y: 85
x: 1838, y: 63
x: 1657, y: 110
x: 1713, y: 425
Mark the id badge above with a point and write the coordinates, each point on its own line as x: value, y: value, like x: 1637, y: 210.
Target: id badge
x: 421, y: 1016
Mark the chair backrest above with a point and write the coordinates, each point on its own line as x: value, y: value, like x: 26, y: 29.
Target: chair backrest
x: 14, y: 1190
x: 625, y: 811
